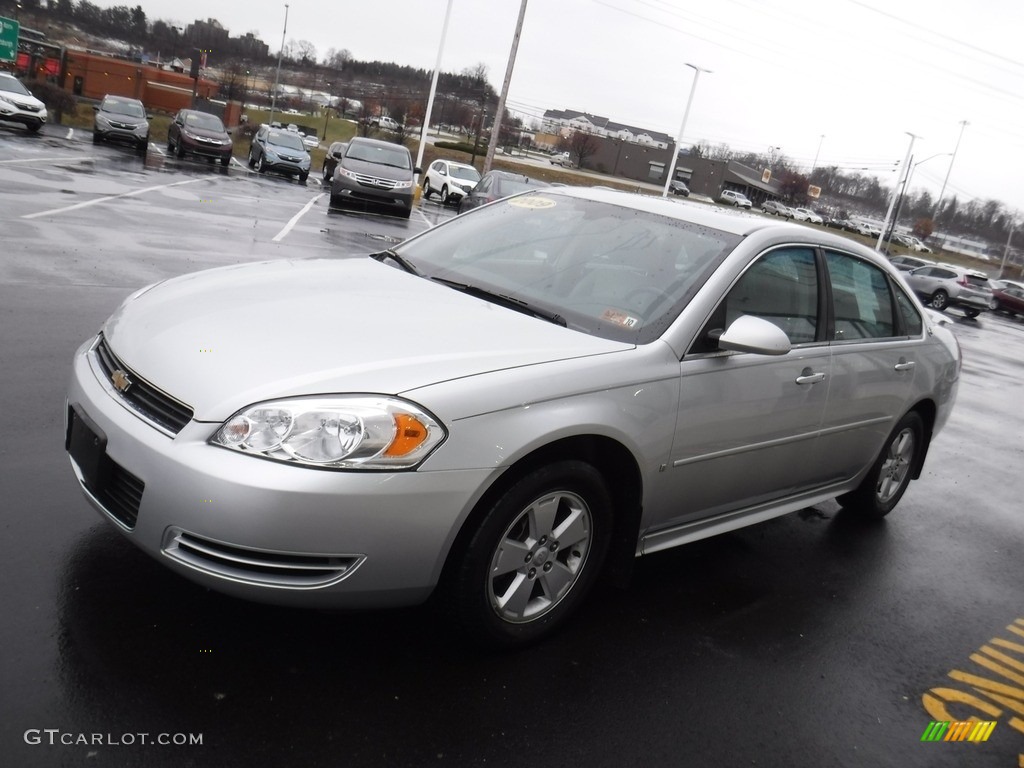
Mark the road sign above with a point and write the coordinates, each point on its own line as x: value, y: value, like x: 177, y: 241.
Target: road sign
x: 8, y: 39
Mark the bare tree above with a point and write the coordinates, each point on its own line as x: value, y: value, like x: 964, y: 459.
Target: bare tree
x: 582, y: 145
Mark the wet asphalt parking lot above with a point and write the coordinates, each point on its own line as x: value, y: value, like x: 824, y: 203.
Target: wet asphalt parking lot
x: 811, y: 640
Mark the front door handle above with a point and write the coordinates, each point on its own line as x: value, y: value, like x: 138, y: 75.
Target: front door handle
x: 904, y: 365
x: 807, y: 376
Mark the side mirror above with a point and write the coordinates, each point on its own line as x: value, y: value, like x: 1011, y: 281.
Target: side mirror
x: 95, y: 107
x: 337, y: 154
x: 752, y: 334
x: 417, y: 171
x: 149, y: 116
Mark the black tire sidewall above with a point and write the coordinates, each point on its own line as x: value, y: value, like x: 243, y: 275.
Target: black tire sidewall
x: 469, y: 593
x: 864, y: 500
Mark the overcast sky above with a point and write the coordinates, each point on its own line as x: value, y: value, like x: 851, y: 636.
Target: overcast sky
x: 860, y: 72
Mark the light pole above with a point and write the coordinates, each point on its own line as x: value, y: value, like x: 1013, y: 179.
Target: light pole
x: 686, y: 113
x: 892, y: 202
x: 938, y: 202
x: 277, y: 77
x: 433, y: 91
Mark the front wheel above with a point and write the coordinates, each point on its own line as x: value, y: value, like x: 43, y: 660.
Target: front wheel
x: 302, y: 178
x: 534, y: 554
x: 939, y: 300
x: 972, y: 313
x: 426, y: 189
x: 445, y: 197
x: 890, y: 475
x: 260, y: 167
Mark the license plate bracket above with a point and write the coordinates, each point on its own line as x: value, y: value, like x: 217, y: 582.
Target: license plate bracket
x: 87, y: 445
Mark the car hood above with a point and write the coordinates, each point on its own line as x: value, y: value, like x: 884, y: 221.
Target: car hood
x: 21, y: 101
x: 376, y: 169
x: 207, y: 133
x: 226, y: 338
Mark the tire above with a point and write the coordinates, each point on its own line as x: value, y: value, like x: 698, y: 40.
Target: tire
x: 302, y: 178
x: 260, y: 167
x: 96, y: 138
x: 546, y: 537
x: 885, y: 483
x: 142, y: 147
x: 426, y: 189
x: 170, y: 147
x: 972, y: 313
x: 180, y: 150
x: 34, y: 127
x: 444, y: 195
x: 226, y: 160
x: 939, y: 300
x: 335, y: 201
x: 323, y: 173
x: 252, y: 160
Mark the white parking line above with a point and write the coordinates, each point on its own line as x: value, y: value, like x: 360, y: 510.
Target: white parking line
x: 109, y: 197
x: 71, y: 132
x: 86, y: 159
x: 295, y: 219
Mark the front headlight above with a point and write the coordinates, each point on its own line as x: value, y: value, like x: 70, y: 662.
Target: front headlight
x: 340, y: 432
x: 403, y: 184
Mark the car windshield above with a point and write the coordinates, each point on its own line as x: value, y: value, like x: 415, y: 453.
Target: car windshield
x: 122, y: 107
x: 204, y: 121
x: 608, y: 270
x: 286, y: 140
x: 371, y: 153
x: 469, y: 174
x: 11, y: 85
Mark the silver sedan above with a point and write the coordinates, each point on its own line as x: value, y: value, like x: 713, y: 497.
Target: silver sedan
x: 504, y: 406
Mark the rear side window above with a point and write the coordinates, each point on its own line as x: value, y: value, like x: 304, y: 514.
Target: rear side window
x: 861, y: 299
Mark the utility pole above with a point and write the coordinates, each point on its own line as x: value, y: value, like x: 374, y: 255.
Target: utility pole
x: 496, y: 129
x: 938, y: 202
x: 433, y: 90
x: 686, y: 113
x: 903, y: 181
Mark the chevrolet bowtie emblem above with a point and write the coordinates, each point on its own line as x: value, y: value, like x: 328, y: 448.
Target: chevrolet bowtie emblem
x: 120, y: 380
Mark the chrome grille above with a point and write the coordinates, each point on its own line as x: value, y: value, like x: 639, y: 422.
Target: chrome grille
x: 375, y: 181
x: 273, y: 569
x: 150, y: 403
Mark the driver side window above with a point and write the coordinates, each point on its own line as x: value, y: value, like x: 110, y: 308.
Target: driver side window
x: 780, y: 287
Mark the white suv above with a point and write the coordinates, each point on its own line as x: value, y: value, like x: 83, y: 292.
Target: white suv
x: 17, y: 105
x: 729, y: 197
x: 453, y: 181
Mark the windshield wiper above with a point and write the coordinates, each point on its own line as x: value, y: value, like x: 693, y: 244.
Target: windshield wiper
x: 504, y: 300
x: 401, y: 261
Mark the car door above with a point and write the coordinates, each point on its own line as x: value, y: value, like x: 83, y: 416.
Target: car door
x: 877, y: 337
x: 747, y: 424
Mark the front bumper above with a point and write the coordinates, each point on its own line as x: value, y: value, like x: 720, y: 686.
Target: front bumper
x: 344, y: 189
x: 138, y: 135
x: 30, y: 117
x: 262, y: 530
x: 202, y: 149
x: 281, y: 165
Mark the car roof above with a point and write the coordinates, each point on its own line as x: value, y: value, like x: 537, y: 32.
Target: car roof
x: 742, y: 223
x: 375, y: 142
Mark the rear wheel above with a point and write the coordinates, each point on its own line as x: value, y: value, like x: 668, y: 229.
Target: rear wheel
x: 890, y: 475
x: 534, y: 554
x: 939, y: 300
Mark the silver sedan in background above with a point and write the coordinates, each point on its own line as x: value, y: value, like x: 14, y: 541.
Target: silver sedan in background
x: 503, y: 407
